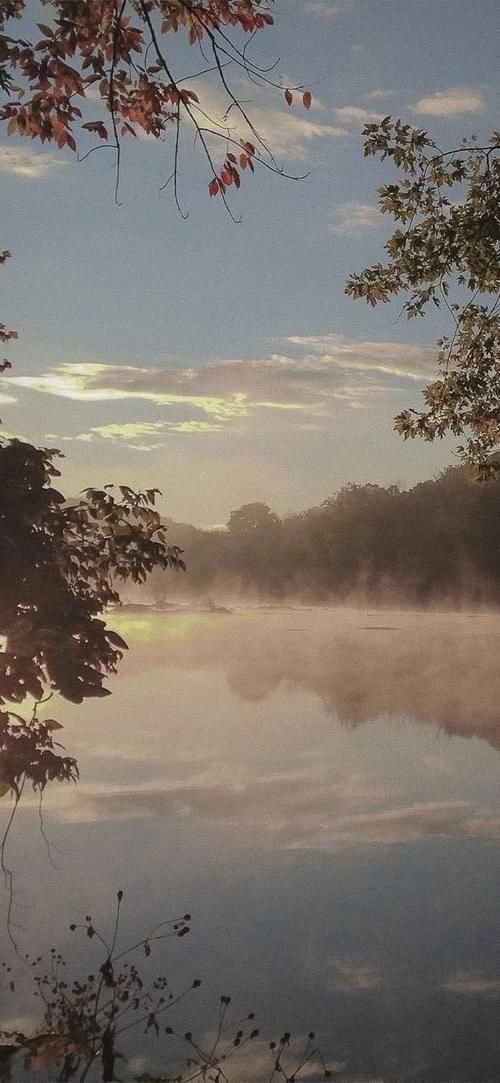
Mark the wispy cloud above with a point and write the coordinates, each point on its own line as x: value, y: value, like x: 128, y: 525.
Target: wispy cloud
x: 93, y: 382
x: 286, y: 803
x: 356, y: 115
x: 367, y: 356
x: 195, y: 427
x: 136, y: 430
x: 353, y: 219
x: 296, y: 812
x: 453, y: 102
x: 398, y: 826
x: 290, y: 135
x: 314, y: 375
x: 31, y: 164
x: 287, y: 132
x: 380, y: 95
x: 127, y: 430
x: 328, y: 9
x: 349, y: 974
x: 472, y: 984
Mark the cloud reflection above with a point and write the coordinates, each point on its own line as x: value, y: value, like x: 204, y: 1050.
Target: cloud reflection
x: 472, y: 984
x: 280, y: 779
x: 296, y: 813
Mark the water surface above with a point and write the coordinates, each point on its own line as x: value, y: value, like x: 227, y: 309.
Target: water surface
x: 320, y: 789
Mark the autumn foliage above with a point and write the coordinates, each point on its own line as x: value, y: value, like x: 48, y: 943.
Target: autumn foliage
x: 104, y: 68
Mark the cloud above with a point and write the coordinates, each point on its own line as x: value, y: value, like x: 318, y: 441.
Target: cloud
x: 446, y: 103
x: 125, y: 430
x: 296, y: 811
x: 398, y: 826
x: 31, y: 164
x: 355, y: 355
x: 467, y: 983
x: 287, y: 805
x: 287, y: 132
x: 453, y: 102
x: 195, y: 427
x: 326, y: 8
x: 348, y: 974
x: 290, y: 135
x: 380, y: 95
x: 146, y: 447
x: 356, y: 115
x: 352, y: 219
x: 93, y: 382
x: 135, y: 430
x: 314, y: 376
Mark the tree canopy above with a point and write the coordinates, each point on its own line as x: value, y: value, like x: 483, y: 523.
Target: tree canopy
x: 433, y: 544
x: 250, y: 518
x: 445, y: 251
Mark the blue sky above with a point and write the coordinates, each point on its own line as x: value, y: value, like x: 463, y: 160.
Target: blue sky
x: 240, y: 371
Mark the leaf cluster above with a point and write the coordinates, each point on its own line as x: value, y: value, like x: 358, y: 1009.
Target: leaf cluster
x: 61, y: 564
x: 445, y: 251
x: 122, y: 55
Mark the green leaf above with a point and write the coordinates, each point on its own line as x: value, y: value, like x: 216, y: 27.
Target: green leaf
x: 52, y: 724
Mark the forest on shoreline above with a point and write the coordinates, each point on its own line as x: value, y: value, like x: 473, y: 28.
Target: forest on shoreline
x: 435, y: 543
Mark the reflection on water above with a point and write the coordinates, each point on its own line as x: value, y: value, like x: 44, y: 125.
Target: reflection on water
x: 321, y: 790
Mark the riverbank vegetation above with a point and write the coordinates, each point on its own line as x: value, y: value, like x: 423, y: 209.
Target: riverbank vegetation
x: 435, y: 543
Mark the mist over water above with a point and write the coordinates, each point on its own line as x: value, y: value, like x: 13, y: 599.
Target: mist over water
x: 320, y: 789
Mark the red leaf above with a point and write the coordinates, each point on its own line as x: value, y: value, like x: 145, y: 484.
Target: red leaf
x: 288, y: 97
x: 213, y: 187
x: 98, y: 127
x: 307, y: 99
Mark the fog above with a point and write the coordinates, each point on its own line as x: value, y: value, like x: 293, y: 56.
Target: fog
x: 433, y: 545
x: 435, y: 667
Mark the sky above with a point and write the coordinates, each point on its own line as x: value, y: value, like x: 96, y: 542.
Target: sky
x: 222, y: 362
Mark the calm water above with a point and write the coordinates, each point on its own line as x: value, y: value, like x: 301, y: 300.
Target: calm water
x: 321, y: 791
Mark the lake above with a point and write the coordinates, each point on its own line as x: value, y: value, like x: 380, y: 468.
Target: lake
x: 320, y: 789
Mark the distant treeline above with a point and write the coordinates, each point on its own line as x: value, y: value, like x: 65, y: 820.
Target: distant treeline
x: 437, y: 542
